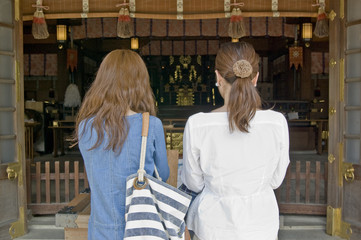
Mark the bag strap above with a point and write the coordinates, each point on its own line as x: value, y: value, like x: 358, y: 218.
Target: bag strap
x: 145, y: 129
x: 145, y: 126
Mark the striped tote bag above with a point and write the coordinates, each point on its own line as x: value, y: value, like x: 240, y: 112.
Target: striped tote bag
x: 154, y: 209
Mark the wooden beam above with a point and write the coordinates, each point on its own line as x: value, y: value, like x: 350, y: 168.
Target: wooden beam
x: 40, y: 48
x: 29, y: 39
x: 50, y: 208
x: 302, y: 209
x: 171, y: 16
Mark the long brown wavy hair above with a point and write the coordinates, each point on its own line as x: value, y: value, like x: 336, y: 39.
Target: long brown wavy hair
x: 244, y: 99
x: 121, y: 84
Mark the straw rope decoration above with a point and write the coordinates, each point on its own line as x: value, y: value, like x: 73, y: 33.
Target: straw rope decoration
x: 39, y: 27
x: 236, y: 28
x: 124, y: 26
x: 321, y: 28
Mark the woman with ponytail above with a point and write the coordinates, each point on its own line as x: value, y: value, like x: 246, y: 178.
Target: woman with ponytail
x: 235, y: 156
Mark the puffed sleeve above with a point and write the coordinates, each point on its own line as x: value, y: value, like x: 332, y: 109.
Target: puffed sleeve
x: 160, y: 153
x: 191, y: 175
x: 284, y: 158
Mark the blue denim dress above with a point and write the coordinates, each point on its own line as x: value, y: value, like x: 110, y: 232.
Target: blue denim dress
x: 107, y: 172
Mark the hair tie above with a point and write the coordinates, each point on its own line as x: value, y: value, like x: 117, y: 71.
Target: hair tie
x: 242, y: 68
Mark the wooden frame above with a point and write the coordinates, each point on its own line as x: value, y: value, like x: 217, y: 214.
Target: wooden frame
x: 294, y: 200
x: 40, y: 178
x: 165, y: 9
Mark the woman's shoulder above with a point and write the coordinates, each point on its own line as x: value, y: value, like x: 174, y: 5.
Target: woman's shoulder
x: 271, y: 115
x: 197, y: 117
x: 153, y: 120
x: 86, y: 122
x: 270, y: 112
x: 207, y: 119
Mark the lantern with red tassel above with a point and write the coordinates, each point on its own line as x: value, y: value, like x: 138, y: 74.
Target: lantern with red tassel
x: 124, y: 26
x: 39, y: 28
x: 321, y: 28
x: 236, y: 27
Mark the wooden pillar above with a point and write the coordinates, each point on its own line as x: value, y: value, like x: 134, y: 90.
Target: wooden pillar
x: 306, y: 81
x: 79, y: 74
x: 63, y: 76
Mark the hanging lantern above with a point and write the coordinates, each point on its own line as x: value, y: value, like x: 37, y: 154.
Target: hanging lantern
x: 39, y: 27
x: 61, y: 33
x: 321, y: 28
x: 134, y: 43
x: 124, y: 27
x: 307, y: 31
x: 236, y: 28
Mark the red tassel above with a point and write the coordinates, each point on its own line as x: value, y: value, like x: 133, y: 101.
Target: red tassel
x: 321, y: 16
x: 236, y: 18
x: 124, y: 18
x: 38, y: 20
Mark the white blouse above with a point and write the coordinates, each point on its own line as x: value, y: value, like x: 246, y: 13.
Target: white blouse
x: 236, y: 173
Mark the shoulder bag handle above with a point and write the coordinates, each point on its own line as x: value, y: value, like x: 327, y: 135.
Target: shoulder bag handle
x: 145, y: 128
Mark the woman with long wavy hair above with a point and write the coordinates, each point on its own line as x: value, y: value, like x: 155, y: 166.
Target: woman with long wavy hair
x: 235, y: 156
x: 108, y: 130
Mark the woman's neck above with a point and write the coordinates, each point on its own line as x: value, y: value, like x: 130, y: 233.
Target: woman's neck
x: 221, y: 109
x: 129, y: 112
x: 225, y: 96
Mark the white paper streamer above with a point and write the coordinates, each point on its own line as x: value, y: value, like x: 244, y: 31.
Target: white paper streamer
x: 275, y: 11
x: 179, y: 9
x: 84, y: 14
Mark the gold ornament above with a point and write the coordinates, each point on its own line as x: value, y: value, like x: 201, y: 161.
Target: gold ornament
x: 185, y: 61
x: 171, y: 60
x: 192, y: 74
x: 199, y: 60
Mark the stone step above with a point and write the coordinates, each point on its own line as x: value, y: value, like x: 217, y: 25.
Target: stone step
x: 43, y: 234
x: 305, y: 234
x: 302, y: 222
x: 43, y: 228
x: 292, y: 227
x: 301, y: 227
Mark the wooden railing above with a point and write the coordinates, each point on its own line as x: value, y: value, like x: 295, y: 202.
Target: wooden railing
x: 304, y: 190
x: 173, y: 129
x: 52, y: 185
x: 55, y: 185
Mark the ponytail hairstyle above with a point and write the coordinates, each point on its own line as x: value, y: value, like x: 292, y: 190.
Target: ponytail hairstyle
x: 237, y: 63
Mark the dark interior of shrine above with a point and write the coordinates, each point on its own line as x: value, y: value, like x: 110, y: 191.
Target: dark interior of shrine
x: 181, y: 68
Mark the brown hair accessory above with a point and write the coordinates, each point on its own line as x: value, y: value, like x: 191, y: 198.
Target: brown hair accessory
x: 242, y: 68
